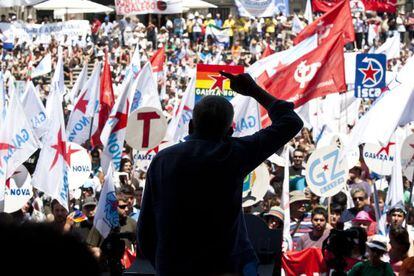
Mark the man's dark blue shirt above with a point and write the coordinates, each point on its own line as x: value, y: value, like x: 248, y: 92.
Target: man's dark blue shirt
x: 191, y: 221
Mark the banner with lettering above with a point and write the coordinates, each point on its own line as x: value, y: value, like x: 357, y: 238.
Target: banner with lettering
x: 210, y: 82
x: 262, y: 8
x: 42, y: 33
x: 130, y: 7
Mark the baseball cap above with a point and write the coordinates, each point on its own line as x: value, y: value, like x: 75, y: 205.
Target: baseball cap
x: 89, y: 201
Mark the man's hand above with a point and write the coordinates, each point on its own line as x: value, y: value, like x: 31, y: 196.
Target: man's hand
x: 242, y: 83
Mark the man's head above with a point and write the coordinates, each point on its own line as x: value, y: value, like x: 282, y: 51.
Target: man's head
x: 319, y: 219
x: 59, y: 212
x: 127, y: 192
x: 298, y: 156
x: 298, y: 203
x: 212, y: 118
x: 355, y: 173
x: 89, y: 208
x: 359, y: 196
x: 123, y: 208
x: 397, y: 215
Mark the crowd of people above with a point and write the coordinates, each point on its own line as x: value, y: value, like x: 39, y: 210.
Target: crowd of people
x: 185, y: 43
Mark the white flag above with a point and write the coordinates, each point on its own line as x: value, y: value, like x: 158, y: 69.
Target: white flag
x: 182, y: 114
x: 285, y: 203
x: 106, y: 216
x: 145, y: 91
x: 308, y: 12
x: 395, y: 192
x: 51, y: 174
x: 80, y: 82
x: 17, y: 139
x: 2, y: 98
x: 79, y: 124
x: 113, y: 133
x: 391, y: 47
x: 246, y: 116
x: 297, y: 25
x: 34, y: 110
x: 44, y: 66
x: 58, y: 80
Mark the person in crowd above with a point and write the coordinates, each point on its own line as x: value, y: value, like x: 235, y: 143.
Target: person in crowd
x: 364, y: 221
x: 274, y: 218
x: 355, y: 181
x: 300, y: 219
x: 319, y: 233
x: 336, y: 211
x: 59, y: 215
x: 399, y: 246
x: 128, y: 192
x: 210, y: 152
x: 377, y: 247
x: 360, y: 199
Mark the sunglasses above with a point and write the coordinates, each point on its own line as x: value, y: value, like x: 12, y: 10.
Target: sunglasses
x: 123, y: 206
x: 358, y: 198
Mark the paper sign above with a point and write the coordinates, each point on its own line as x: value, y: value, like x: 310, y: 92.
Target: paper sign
x: 80, y: 166
x: 255, y: 185
x: 380, y: 159
x: 325, y: 174
x: 370, y: 75
x: 407, y: 157
x: 210, y: 82
x: 146, y: 128
x: 129, y: 7
x: 18, y: 190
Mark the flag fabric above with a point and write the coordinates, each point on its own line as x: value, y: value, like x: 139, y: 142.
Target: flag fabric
x: 297, y: 25
x: 309, y: 261
x: 266, y: 67
x: 106, y: 102
x: 106, y: 216
x: 308, y: 12
x: 44, y: 67
x: 34, y: 110
x: 58, y: 79
x: 157, y: 62
x: 395, y: 192
x: 316, y: 74
x: 113, y: 133
x: 378, y: 124
x: 391, y: 47
x: 80, y: 122
x: 178, y: 126
x: 145, y: 92
x: 285, y: 203
x: 267, y: 51
x: 80, y: 82
x: 220, y: 35
x: 246, y: 119
x: 51, y: 174
x: 17, y: 139
x: 2, y: 98
x: 336, y: 20
x: 389, y: 6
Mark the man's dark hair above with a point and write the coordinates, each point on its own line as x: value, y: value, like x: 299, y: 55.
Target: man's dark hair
x: 53, y: 204
x: 400, y: 235
x: 320, y: 211
x: 127, y: 190
x: 212, y: 117
x: 340, y: 199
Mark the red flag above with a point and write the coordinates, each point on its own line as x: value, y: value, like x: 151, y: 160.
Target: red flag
x: 268, y: 51
x: 106, y: 100
x: 338, y: 19
x: 323, y: 5
x: 316, y: 74
x: 367, y: 5
x: 306, y: 262
x: 158, y: 60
